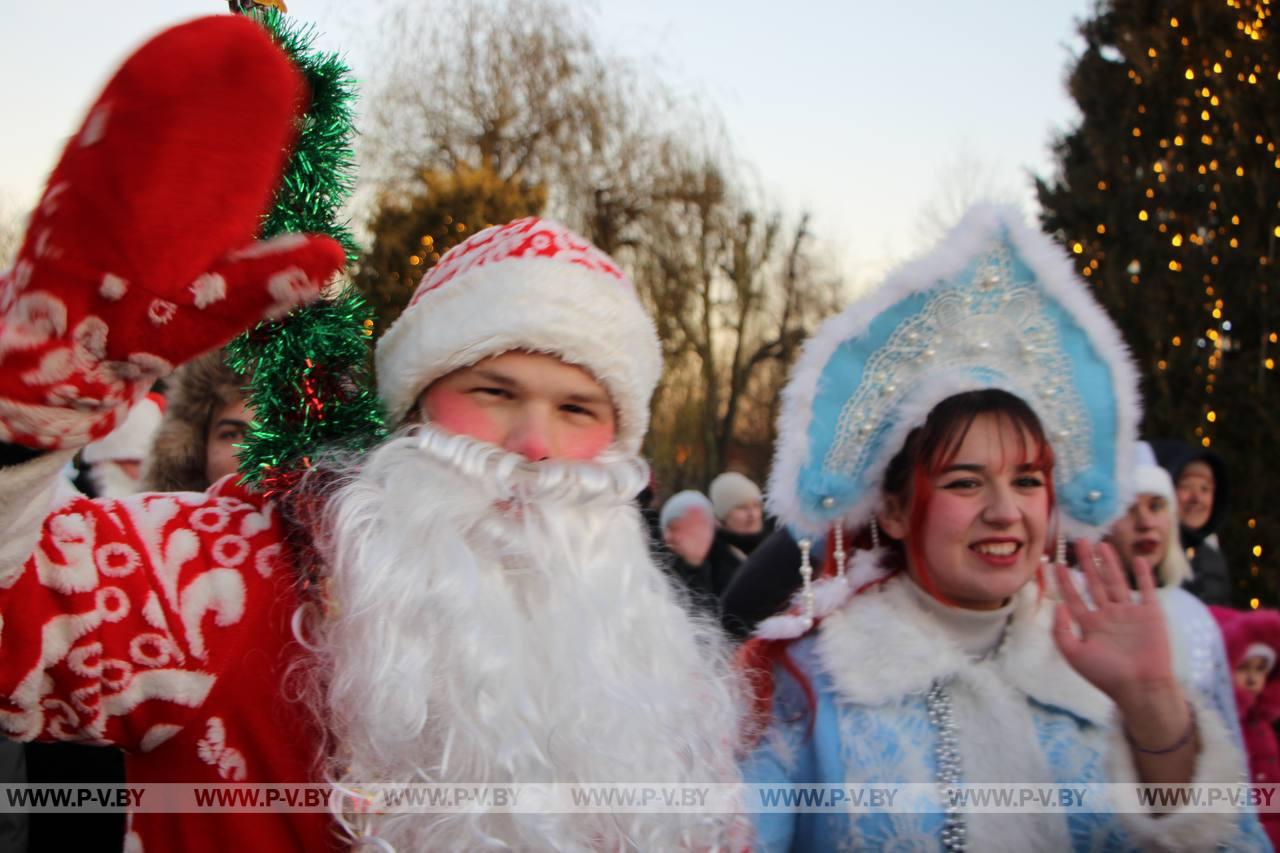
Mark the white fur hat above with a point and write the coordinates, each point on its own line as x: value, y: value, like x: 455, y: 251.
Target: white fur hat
x: 732, y: 489
x: 1150, y: 479
x: 131, y: 440
x: 528, y: 285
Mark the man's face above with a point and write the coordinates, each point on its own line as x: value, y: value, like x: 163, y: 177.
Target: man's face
x: 533, y: 404
x: 227, y: 428
x: 1195, y: 495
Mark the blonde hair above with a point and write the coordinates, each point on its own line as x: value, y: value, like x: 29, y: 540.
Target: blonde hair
x: 1174, y: 570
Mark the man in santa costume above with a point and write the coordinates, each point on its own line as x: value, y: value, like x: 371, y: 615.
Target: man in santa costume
x: 484, y: 608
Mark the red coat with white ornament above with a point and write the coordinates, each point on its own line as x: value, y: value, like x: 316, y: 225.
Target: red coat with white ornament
x: 158, y: 623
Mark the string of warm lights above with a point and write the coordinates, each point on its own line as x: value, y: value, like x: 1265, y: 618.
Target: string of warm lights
x: 1196, y: 158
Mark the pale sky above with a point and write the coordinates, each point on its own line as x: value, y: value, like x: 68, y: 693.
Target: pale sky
x: 852, y: 110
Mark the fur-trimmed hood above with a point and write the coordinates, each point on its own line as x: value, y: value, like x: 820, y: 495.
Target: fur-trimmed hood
x: 1240, y: 630
x: 196, y: 390
x: 1173, y: 456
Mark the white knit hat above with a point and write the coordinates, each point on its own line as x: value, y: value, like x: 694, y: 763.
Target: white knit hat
x: 529, y: 285
x: 680, y: 503
x: 131, y: 440
x: 1150, y: 479
x: 732, y: 489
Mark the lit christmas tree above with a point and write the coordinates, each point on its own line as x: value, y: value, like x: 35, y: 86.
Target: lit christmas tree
x: 411, y: 233
x: 1168, y: 193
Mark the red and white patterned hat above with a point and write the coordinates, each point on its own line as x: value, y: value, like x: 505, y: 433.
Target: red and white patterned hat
x: 528, y: 285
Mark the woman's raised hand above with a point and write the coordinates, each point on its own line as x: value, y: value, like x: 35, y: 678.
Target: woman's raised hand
x: 1116, y: 642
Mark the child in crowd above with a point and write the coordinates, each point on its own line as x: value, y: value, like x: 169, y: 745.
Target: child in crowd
x: 1252, y: 639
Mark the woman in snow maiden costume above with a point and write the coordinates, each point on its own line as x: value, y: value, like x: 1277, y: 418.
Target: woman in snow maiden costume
x: 945, y: 420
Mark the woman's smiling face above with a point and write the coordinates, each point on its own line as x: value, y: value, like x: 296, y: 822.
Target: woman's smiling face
x: 984, y: 525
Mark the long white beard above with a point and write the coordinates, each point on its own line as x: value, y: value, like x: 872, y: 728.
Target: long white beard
x: 501, y: 622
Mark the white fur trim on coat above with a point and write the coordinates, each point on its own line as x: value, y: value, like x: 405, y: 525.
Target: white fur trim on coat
x: 27, y: 494
x: 580, y: 315
x: 1219, y: 762
x: 882, y: 645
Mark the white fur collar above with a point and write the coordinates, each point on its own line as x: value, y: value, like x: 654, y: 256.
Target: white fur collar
x: 882, y: 645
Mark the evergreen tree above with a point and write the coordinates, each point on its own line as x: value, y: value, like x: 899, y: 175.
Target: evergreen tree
x: 410, y: 236
x: 1168, y: 193
x: 312, y: 385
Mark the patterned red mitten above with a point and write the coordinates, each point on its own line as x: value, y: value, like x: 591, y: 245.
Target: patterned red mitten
x: 141, y: 253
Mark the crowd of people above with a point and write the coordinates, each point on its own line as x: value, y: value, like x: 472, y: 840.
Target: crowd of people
x: 964, y: 568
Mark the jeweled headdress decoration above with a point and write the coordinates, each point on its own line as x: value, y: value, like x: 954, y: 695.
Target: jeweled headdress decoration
x: 995, y: 305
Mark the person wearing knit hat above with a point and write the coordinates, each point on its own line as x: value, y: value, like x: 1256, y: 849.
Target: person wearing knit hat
x: 534, y: 287
x: 1149, y: 528
x: 481, y: 578
x: 1149, y: 531
x: 738, y: 503
x: 501, y: 515
x: 699, y: 557
x: 685, y: 504
x: 740, y: 509
x: 1202, y: 483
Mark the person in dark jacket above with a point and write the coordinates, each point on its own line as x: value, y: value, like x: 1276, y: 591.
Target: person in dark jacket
x: 700, y: 556
x: 1200, y: 478
x: 739, y: 507
x: 764, y: 584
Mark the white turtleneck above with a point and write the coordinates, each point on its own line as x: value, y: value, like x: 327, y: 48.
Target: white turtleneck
x: 989, y: 715
x: 976, y: 632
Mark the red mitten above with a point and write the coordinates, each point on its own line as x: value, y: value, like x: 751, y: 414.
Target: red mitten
x: 141, y: 253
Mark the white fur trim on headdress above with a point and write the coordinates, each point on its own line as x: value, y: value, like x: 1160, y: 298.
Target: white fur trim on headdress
x: 488, y: 301
x: 829, y: 595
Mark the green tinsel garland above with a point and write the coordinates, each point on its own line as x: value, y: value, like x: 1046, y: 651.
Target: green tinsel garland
x: 311, y: 382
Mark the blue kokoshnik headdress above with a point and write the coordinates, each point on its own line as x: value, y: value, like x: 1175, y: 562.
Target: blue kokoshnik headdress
x: 995, y: 305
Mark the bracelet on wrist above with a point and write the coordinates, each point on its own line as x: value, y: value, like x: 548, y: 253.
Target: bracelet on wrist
x: 1184, y: 739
